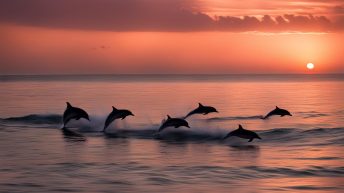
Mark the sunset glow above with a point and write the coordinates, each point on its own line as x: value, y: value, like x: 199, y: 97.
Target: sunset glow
x: 181, y: 36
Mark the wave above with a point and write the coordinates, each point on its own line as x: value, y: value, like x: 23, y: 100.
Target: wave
x: 260, y: 172
x: 306, y: 115
x: 312, y: 171
x: 168, y: 134
x: 312, y: 114
x: 315, y: 136
x: 35, y: 119
x: 201, y: 132
x: 320, y: 158
x: 235, y: 118
x: 280, y: 136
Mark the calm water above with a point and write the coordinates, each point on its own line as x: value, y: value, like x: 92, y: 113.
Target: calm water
x: 302, y: 153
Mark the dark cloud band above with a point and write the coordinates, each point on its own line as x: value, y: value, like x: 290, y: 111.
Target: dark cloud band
x: 149, y: 15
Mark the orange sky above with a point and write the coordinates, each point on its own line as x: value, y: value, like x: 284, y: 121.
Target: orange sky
x: 180, y: 36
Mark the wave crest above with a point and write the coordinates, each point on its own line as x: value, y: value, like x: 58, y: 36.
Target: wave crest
x: 36, y: 119
x: 298, y: 136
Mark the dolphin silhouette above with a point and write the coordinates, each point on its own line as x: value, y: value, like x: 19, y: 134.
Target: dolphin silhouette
x: 277, y: 111
x: 243, y: 133
x: 116, y: 114
x: 173, y: 122
x: 201, y: 109
x: 73, y: 113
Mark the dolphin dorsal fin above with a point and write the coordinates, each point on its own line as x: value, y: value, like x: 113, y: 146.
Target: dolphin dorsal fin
x: 114, y: 108
x: 168, y: 117
x: 240, y: 127
x: 68, y: 105
x: 200, y: 105
x: 277, y: 107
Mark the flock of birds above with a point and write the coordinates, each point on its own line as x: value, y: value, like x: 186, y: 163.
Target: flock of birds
x: 76, y: 113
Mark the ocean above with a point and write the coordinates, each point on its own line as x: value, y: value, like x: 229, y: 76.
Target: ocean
x: 299, y: 153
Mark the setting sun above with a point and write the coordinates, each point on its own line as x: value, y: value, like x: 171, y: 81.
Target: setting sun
x: 310, y: 66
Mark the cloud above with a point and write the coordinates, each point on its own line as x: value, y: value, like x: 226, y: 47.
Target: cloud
x: 286, y: 22
x: 148, y: 15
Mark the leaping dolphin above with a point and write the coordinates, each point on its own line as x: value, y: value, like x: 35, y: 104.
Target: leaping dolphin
x: 116, y: 114
x: 277, y: 111
x: 243, y: 133
x: 173, y: 122
x: 73, y: 113
x: 201, y: 109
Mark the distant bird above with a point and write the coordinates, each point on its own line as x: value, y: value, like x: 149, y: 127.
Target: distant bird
x: 73, y: 113
x: 173, y: 122
x: 116, y: 114
x: 201, y: 109
x: 277, y: 111
x: 243, y: 133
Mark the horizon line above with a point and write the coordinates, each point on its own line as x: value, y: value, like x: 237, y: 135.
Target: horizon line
x: 169, y: 74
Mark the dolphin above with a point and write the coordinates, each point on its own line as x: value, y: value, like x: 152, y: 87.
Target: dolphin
x: 73, y: 113
x: 243, y: 133
x: 173, y: 122
x: 116, y: 114
x: 277, y: 111
x: 201, y: 109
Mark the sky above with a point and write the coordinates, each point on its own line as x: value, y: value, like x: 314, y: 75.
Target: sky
x: 171, y: 36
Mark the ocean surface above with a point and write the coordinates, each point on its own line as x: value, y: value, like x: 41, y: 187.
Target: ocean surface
x: 301, y: 153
